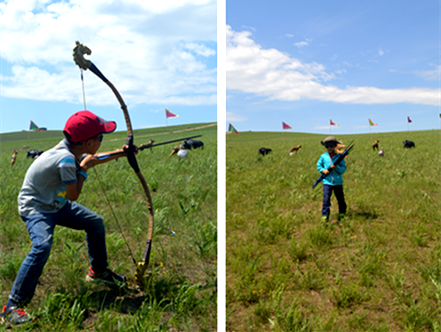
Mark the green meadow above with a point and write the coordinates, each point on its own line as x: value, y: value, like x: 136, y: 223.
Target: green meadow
x: 181, y: 290
x: 378, y: 269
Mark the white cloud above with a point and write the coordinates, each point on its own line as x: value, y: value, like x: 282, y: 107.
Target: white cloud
x: 153, y: 52
x: 275, y: 75
x: 200, y: 49
x: 235, y: 117
x: 319, y: 127
x: 289, y: 35
x: 246, y: 27
x: 430, y: 75
x: 380, y: 52
x: 301, y: 44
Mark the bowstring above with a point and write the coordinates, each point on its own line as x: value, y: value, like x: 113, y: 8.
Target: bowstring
x: 84, y: 91
x: 114, y: 216
x: 102, y: 188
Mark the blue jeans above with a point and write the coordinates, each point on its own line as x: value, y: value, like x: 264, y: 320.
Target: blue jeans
x: 327, y: 192
x: 41, y: 229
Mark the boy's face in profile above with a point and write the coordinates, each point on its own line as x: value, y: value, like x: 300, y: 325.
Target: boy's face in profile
x: 93, y: 144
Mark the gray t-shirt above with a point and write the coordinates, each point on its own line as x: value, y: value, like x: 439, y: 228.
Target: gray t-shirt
x: 44, y: 187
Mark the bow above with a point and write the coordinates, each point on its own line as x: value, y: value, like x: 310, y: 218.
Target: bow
x: 78, y: 52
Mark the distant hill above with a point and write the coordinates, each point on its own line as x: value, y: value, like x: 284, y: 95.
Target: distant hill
x: 32, y: 135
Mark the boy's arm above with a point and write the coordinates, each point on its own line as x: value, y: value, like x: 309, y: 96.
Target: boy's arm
x: 320, y: 166
x: 341, y: 167
x: 92, y: 160
x: 74, y: 189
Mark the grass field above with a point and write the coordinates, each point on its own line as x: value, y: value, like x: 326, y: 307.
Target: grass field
x: 379, y: 269
x: 182, y: 290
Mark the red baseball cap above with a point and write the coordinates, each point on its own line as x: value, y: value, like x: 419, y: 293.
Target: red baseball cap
x: 84, y: 125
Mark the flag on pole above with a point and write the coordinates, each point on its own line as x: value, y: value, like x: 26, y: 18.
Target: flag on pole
x: 169, y: 114
x: 232, y: 129
x: 371, y: 123
x: 409, y: 120
x: 333, y: 123
x: 285, y: 126
x: 33, y: 126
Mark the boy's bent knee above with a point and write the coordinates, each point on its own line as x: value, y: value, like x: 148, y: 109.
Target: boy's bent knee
x: 96, y: 225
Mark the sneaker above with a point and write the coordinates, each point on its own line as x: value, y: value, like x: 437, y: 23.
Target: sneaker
x: 324, y: 220
x: 107, y: 277
x: 14, y: 315
x: 341, y: 216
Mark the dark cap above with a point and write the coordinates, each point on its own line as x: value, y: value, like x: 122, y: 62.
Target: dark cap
x: 84, y: 125
x: 330, y: 140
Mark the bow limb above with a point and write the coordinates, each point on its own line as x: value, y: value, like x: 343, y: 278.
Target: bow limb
x: 78, y: 52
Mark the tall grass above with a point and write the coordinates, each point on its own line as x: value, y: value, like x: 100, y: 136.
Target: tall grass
x: 180, y: 294
x: 376, y: 270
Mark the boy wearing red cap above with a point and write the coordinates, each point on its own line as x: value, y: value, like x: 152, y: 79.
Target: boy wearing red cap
x: 47, y: 198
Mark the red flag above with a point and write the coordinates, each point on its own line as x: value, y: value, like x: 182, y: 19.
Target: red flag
x: 169, y: 114
x: 409, y: 120
x: 333, y: 123
x: 285, y: 126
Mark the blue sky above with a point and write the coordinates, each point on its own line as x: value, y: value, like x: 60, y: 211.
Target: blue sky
x: 159, y: 55
x: 306, y: 62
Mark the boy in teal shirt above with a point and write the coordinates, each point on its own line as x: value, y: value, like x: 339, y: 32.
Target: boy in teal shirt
x: 333, y: 182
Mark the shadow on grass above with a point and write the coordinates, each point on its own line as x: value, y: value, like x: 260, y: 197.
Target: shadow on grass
x: 128, y: 300
x: 163, y: 291
x: 368, y: 215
